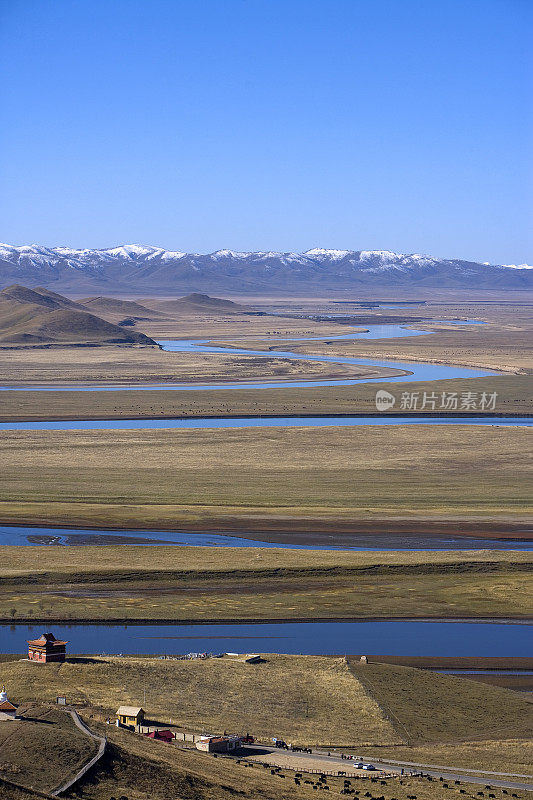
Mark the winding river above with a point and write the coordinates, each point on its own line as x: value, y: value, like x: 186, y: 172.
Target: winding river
x: 411, y: 371
x: 394, y: 637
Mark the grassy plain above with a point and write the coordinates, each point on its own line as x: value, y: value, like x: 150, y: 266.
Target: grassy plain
x: 514, y: 396
x: 64, y: 366
x: 298, y: 478
x: 201, y: 584
x: 502, y: 343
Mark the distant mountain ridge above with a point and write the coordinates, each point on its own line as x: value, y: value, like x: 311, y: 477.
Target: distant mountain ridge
x: 138, y: 268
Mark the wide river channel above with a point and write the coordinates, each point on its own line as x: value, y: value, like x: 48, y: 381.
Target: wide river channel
x: 384, y: 637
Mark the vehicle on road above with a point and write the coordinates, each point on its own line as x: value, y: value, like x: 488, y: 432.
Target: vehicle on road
x: 369, y: 766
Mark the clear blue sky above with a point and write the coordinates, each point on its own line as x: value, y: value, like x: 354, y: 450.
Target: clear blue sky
x: 269, y: 125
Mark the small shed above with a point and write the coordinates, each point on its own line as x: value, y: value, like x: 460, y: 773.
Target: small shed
x: 130, y: 716
x: 163, y: 736
x: 218, y: 744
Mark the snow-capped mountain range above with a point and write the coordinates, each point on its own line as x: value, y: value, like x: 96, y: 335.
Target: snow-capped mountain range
x: 137, y: 268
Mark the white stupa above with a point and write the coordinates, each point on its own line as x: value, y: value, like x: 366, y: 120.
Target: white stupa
x: 7, y: 709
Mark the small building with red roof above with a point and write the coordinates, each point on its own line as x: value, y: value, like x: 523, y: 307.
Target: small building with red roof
x: 163, y: 736
x: 46, y: 649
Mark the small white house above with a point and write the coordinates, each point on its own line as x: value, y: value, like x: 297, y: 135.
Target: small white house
x: 218, y: 744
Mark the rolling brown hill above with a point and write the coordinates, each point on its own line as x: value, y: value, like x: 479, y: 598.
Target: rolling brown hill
x: 113, y: 309
x: 196, y: 303
x: 38, y: 316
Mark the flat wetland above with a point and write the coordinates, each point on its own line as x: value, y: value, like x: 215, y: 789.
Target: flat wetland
x: 202, y: 584
x: 302, y: 479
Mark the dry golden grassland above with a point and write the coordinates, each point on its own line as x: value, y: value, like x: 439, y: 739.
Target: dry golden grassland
x: 307, y: 699
x: 199, y: 325
x: 44, y: 749
x: 512, y: 755
x: 314, y: 700
x: 79, y: 366
x: 514, y: 396
x: 170, y: 583
x: 143, y: 769
x: 246, y: 478
x: 503, y: 343
x: 422, y: 706
x: 303, y: 699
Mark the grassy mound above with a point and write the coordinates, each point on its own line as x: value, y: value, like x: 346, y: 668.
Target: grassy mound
x: 426, y: 707
x: 37, y: 316
x: 304, y: 699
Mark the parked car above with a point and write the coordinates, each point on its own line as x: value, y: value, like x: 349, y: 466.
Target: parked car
x: 368, y: 766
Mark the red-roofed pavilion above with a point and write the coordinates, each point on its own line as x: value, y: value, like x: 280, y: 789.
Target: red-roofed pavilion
x: 46, y: 649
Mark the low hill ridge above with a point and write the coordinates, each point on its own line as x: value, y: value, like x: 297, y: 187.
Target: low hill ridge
x: 38, y: 316
x: 196, y: 302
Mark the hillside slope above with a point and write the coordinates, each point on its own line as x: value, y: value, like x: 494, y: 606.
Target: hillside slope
x: 38, y: 317
x: 112, y: 309
x: 427, y: 707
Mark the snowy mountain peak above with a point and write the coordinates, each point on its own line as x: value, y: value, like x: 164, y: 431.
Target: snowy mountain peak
x: 141, y: 267
x: 229, y: 254
x: 322, y: 253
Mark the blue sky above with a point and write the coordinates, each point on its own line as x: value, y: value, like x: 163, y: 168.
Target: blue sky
x: 269, y: 125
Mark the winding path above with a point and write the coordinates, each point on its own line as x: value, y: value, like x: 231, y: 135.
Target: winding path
x: 102, y: 743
